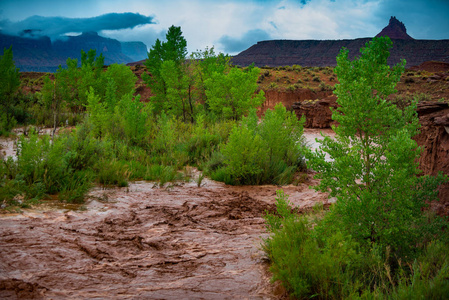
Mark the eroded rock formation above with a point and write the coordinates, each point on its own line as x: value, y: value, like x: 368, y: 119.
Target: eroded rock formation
x: 434, y: 140
x: 395, y: 30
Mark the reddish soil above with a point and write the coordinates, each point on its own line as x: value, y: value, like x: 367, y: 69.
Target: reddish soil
x: 143, y: 242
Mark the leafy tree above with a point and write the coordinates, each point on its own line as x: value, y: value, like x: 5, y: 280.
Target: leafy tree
x: 91, y: 75
x: 124, y: 79
x: 54, y: 94
x: 373, y: 171
x: 71, y: 76
x: 232, y: 95
x: 203, y: 64
x: 134, y: 118
x: 174, y: 49
x: 178, y: 98
x: 9, y: 84
x: 98, y: 114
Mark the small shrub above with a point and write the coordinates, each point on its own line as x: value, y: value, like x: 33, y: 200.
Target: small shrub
x: 76, y: 186
x: 409, y: 80
x: 112, y: 172
x: 422, y: 97
x: 291, y: 88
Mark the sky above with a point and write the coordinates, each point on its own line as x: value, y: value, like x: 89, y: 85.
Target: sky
x: 230, y: 26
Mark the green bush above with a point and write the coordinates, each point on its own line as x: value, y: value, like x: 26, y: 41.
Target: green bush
x: 243, y: 153
x: 76, y: 186
x: 313, y: 257
x: 112, y: 172
x: 269, y: 152
x: 330, y: 267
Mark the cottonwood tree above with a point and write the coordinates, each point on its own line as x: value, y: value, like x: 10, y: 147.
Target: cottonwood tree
x: 9, y: 84
x: 202, y: 65
x: 173, y: 49
x: 373, y: 172
x: 231, y: 95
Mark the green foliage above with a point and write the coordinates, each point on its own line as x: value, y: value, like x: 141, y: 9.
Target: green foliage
x: 98, y: 115
x: 232, y: 95
x: 206, y: 84
x: 376, y: 242
x: 178, y: 99
x: 173, y: 49
x: 269, y: 152
x: 43, y: 167
x: 112, y: 172
x: 123, y: 79
x: 202, y: 65
x: 373, y: 172
x: 9, y: 84
x: 76, y: 187
x: 244, y: 151
x: 133, y: 117
x: 314, y: 257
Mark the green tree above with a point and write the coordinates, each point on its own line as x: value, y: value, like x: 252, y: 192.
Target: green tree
x: 178, y: 99
x: 173, y: 49
x: 124, y: 79
x: 54, y: 95
x: 373, y: 171
x: 202, y: 65
x: 9, y: 84
x: 91, y: 75
x: 133, y: 115
x: 244, y: 152
x: 98, y: 114
x: 231, y: 95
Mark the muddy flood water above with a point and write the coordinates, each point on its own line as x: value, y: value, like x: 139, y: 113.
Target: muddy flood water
x: 144, y: 242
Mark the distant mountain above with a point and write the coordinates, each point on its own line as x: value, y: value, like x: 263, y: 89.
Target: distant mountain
x: 40, y: 54
x: 324, y: 52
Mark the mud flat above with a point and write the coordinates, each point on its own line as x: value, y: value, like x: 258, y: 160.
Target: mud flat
x: 177, y: 242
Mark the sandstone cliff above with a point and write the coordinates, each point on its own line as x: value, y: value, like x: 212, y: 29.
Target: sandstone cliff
x: 322, y: 53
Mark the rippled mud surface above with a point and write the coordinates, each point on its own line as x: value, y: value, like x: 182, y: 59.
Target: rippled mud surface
x: 143, y: 242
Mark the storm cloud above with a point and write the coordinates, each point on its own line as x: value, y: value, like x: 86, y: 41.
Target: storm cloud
x: 55, y: 27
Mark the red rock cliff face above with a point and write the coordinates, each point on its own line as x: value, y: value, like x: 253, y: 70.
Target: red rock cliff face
x: 434, y: 139
x: 289, y: 98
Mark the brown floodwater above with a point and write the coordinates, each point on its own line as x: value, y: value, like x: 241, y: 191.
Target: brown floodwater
x: 145, y: 242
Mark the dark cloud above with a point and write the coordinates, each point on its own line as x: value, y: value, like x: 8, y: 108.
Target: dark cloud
x: 235, y: 45
x: 55, y: 27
